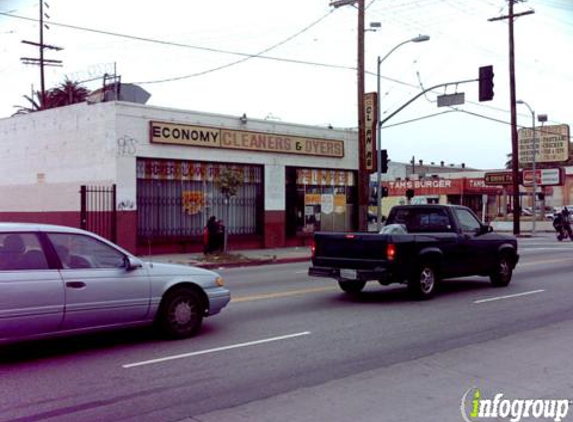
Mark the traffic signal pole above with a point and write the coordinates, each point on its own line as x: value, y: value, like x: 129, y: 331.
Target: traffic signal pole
x: 407, y: 103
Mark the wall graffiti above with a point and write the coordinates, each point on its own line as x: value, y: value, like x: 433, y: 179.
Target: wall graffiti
x: 125, y: 205
x: 126, y: 146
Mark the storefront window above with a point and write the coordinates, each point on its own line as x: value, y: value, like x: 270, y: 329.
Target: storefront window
x: 324, y: 200
x: 176, y: 198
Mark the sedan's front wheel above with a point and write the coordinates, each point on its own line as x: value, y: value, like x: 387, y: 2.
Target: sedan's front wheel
x: 181, y: 313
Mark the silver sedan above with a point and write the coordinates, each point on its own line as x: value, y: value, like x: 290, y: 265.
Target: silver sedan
x: 57, y: 280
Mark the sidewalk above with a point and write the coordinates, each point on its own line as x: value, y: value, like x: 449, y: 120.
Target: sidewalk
x: 249, y: 257
x: 235, y: 258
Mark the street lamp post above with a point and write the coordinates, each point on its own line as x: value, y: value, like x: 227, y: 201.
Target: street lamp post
x: 534, y: 201
x: 419, y: 38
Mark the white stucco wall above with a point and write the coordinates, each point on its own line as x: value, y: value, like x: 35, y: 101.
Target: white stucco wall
x: 133, y: 128
x: 46, y: 156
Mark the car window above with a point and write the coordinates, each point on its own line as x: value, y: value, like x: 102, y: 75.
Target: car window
x: 21, y: 251
x: 468, y: 221
x: 80, y: 251
x: 416, y: 220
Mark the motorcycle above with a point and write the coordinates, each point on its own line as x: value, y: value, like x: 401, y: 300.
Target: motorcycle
x: 562, y: 226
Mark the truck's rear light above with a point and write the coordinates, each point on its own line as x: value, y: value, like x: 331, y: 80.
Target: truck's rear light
x: 391, y: 251
x: 312, y: 248
x: 350, y: 236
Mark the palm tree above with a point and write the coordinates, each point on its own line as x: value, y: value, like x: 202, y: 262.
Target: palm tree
x: 68, y: 92
x: 36, y: 104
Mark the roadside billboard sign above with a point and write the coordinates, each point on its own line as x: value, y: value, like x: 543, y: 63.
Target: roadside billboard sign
x: 551, y: 144
x: 543, y: 177
x: 498, y: 178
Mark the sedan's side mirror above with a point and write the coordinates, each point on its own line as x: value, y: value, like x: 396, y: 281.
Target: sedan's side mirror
x: 132, y: 263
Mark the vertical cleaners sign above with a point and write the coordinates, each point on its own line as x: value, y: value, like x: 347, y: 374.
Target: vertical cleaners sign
x: 203, y: 136
x: 370, y: 117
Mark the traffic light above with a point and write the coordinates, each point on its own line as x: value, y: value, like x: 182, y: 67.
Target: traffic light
x: 486, y: 83
x: 384, y: 161
x: 409, y: 193
x: 384, y: 192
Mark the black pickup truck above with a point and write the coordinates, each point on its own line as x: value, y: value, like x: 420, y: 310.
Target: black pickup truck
x: 419, y: 245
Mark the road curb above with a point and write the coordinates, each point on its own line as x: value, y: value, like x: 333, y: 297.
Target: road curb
x: 251, y: 262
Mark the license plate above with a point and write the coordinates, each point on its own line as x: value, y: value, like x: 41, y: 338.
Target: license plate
x: 348, y: 274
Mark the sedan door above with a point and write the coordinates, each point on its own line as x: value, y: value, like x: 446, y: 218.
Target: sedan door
x: 31, y: 290
x: 100, y: 290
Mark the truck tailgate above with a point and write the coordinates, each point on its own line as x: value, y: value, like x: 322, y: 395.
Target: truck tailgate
x: 350, y: 250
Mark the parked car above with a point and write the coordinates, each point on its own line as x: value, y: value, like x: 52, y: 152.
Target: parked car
x: 58, y: 280
x: 548, y: 213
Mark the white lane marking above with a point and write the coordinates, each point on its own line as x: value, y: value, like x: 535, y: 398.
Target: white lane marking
x: 491, y: 299
x: 216, y: 349
x: 546, y: 248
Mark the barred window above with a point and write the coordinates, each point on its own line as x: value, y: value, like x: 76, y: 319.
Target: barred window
x: 176, y: 198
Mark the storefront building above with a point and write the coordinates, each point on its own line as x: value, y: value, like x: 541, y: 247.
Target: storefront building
x: 471, y: 189
x: 271, y: 183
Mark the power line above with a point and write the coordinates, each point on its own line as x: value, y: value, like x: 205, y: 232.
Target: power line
x: 259, y: 54
x: 183, y: 45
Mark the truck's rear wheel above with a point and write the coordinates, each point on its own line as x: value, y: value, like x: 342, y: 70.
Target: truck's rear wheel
x: 351, y: 286
x: 422, y: 283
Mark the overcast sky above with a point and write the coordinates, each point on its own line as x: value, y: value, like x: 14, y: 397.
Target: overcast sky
x: 295, y: 61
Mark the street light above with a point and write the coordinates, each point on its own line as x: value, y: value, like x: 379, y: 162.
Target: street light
x: 419, y: 38
x: 534, y: 201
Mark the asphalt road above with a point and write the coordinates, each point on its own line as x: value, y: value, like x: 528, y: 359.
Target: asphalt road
x: 292, y: 348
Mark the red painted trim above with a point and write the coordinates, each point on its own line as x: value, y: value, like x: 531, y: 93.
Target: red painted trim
x: 61, y: 218
x: 126, y: 223
x: 275, y: 229
x: 195, y: 245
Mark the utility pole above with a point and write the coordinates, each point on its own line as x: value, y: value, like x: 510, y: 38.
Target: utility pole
x: 514, y: 144
x: 363, y: 182
x: 42, y: 61
x: 363, y: 173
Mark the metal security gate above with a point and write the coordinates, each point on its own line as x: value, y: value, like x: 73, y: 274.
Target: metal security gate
x: 176, y: 198
x: 98, y: 210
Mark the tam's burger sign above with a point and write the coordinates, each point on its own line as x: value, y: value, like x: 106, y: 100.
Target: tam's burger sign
x: 441, y: 187
x: 426, y: 187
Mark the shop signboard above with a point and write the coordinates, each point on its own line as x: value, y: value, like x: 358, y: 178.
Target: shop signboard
x: 193, y: 171
x: 437, y: 186
x: 478, y: 185
x: 426, y: 187
x: 324, y: 177
x: 213, y: 137
x: 543, y: 177
x: 498, y: 178
x: 370, y: 104
x: 551, y: 144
